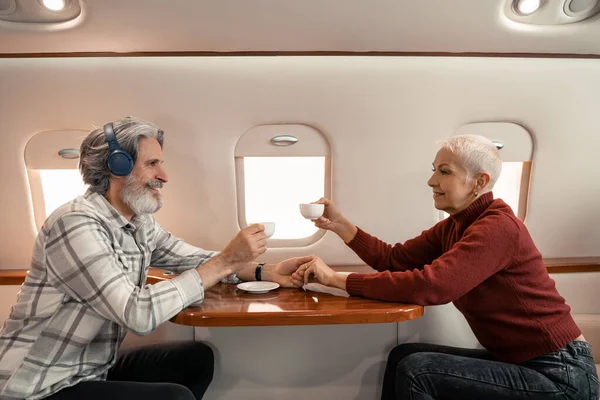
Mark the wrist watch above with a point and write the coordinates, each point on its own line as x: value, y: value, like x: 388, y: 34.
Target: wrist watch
x: 258, y: 272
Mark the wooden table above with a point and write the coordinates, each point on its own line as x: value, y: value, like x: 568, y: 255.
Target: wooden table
x: 226, y: 305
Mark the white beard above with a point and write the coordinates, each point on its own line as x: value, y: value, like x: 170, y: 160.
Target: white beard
x: 139, y: 196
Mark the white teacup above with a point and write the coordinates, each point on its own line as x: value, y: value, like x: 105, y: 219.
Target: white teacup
x: 312, y: 211
x: 269, y: 228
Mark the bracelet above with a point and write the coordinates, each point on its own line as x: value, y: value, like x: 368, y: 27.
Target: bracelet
x: 258, y: 272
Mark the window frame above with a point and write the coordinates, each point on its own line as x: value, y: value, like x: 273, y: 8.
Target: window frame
x: 518, y: 146
x: 41, y: 153
x: 255, y: 142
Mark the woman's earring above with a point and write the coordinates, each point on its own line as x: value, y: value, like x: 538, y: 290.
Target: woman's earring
x: 475, y: 194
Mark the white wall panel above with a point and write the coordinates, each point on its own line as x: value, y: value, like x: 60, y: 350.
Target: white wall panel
x: 299, y: 362
x: 381, y: 117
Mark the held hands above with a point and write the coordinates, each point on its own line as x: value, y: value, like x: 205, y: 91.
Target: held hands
x: 316, y: 267
x: 248, y: 244
x: 333, y: 220
x: 282, y: 272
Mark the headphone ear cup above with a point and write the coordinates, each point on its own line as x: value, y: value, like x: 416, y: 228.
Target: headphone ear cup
x: 120, y: 163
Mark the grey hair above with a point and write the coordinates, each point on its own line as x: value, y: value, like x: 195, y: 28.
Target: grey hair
x: 477, y: 153
x: 94, y: 151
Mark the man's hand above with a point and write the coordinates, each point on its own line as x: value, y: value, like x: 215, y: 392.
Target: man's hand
x: 282, y: 272
x: 248, y: 244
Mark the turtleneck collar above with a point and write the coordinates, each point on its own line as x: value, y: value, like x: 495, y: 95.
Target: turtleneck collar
x: 474, y: 210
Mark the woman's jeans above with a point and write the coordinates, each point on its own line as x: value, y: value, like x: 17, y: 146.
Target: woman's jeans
x: 180, y: 371
x: 420, y: 371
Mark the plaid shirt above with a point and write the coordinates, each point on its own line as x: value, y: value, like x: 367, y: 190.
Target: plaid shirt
x: 84, y: 290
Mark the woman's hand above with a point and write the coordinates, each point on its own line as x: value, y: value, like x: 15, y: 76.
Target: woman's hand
x: 333, y: 220
x: 322, y: 273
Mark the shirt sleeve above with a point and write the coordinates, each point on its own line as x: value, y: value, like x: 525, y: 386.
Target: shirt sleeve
x: 174, y: 254
x: 414, y: 253
x: 82, y: 263
x: 487, y: 247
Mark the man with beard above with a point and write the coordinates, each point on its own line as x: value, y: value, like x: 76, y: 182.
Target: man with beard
x: 86, y: 285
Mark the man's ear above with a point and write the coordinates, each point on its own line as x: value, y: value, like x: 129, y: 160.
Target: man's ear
x: 117, y: 178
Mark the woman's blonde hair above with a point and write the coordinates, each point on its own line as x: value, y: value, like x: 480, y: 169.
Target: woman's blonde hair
x: 477, y: 153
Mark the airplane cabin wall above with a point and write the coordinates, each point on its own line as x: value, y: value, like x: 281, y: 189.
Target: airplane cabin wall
x: 381, y: 116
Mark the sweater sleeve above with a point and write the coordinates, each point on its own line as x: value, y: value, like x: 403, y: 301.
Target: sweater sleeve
x: 414, y: 253
x: 486, y: 247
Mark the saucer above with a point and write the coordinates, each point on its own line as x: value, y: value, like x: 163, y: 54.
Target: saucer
x: 258, y: 287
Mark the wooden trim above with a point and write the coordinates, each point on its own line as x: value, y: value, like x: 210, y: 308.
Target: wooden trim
x: 554, y: 266
x: 524, y: 189
x: 292, y: 54
x: 12, y: 276
x: 572, y: 265
x: 563, y: 269
x: 570, y: 261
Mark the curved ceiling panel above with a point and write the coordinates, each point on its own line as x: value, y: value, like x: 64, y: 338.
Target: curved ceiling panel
x: 456, y: 26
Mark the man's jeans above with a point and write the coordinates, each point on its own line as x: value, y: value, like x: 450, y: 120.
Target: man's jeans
x: 180, y: 371
x: 420, y: 371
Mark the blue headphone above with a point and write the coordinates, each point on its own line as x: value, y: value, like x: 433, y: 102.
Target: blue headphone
x: 119, y: 161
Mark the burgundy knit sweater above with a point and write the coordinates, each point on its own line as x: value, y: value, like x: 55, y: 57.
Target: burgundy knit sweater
x: 484, y: 261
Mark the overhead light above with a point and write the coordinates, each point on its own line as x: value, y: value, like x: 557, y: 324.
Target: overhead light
x: 550, y: 12
x: 575, y: 8
x: 40, y: 15
x: 55, y: 5
x: 526, y: 7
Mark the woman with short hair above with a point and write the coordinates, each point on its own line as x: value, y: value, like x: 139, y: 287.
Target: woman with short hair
x: 482, y: 259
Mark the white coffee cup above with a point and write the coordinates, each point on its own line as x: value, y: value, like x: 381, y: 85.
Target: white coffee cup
x: 312, y: 211
x: 269, y: 228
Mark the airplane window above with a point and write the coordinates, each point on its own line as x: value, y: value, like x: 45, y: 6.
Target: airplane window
x: 508, y: 186
x: 53, y: 179
x: 278, y: 167
x: 516, y: 152
x: 60, y: 186
x: 275, y: 187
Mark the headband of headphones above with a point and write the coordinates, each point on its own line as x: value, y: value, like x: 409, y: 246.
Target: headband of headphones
x: 111, y: 138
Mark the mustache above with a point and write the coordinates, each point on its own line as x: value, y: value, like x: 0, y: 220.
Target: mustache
x: 155, y: 184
